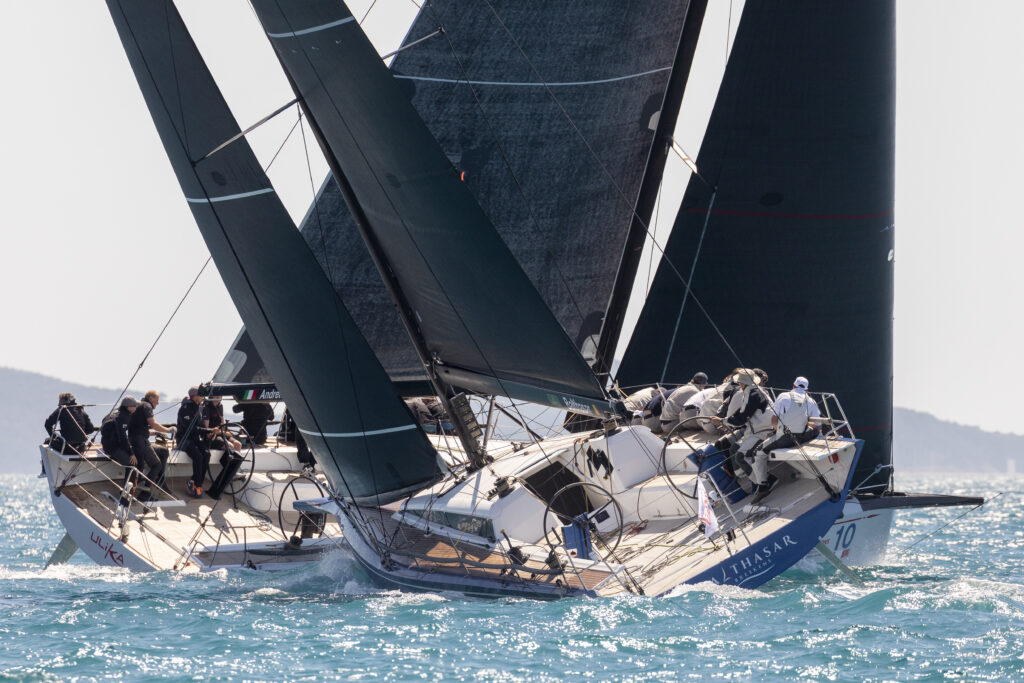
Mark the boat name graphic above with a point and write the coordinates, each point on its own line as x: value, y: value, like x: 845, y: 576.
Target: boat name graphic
x: 261, y: 395
x: 107, y: 548
x: 574, y: 404
x: 754, y: 563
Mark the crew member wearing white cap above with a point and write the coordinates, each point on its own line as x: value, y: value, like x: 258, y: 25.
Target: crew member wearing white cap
x: 793, y: 418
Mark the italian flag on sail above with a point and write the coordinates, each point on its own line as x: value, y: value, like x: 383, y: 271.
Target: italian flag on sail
x: 249, y: 395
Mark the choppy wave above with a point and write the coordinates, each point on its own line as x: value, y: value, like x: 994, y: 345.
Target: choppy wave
x: 949, y: 606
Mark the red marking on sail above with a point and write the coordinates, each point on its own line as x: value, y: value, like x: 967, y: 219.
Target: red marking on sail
x: 811, y: 216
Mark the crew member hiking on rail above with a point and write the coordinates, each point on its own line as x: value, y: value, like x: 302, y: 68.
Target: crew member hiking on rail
x: 192, y: 428
x: 74, y: 425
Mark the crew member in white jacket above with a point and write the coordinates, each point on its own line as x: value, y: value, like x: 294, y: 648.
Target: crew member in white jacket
x: 793, y: 418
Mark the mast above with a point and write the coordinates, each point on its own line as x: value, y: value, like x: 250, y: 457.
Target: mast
x: 633, y: 249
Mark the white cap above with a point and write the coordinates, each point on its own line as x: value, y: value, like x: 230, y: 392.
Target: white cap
x: 800, y: 383
x: 747, y: 377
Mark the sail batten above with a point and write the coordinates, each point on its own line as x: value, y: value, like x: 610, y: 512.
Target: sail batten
x: 325, y: 370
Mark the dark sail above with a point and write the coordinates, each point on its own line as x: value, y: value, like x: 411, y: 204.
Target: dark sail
x: 481, y: 321
x: 795, y: 267
x: 361, y: 432
x: 607, y: 62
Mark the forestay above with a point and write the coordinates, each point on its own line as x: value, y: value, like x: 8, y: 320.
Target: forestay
x: 793, y: 257
x: 484, y: 325
x: 362, y: 434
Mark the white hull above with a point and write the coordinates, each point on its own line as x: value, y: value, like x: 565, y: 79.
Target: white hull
x: 185, y: 534
x: 860, y: 537
x: 487, y: 532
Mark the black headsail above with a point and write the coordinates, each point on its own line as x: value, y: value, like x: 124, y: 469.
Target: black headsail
x: 472, y: 312
x: 492, y: 89
x: 362, y: 434
x: 792, y: 255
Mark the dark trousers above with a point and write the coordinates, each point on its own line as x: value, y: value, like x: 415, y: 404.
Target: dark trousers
x: 123, y: 458
x: 200, y: 456
x: 148, y: 458
x: 791, y: 440
x: 304, y: 455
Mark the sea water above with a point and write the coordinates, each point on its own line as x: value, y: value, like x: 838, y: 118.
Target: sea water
x: 949, y: 607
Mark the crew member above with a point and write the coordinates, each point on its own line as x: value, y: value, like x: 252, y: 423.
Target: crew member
x: 255, y: 416
x: 289, y: 433
x: 748, y: 414
x: 638, y: 401
x: 286, y: 432
x: 793, y: 417
x: 139, y: 426
x: 420, y: 411
x: 114, y: 433
x: 74, y: 425
x: 219, y: 437
x: 192, y: 427
x: 672, y: 411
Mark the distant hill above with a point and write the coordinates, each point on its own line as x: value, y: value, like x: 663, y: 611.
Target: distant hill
x: 923, y: 443
x: 26, y: 399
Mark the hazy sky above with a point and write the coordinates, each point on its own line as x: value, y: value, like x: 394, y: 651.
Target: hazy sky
x: 95, y: 228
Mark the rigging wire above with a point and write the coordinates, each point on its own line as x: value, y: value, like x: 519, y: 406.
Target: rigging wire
x: 650, y: 259
x: 689, y: 281
x: 728, y: 33
x: 367, y: 13
x: 163, y: 329
x: 952, y: 521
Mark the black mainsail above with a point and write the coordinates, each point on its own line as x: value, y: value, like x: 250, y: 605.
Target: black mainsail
x: 364, y: 437
x: 791, y: 237
x: 492, y: 89
x: 465, y: 300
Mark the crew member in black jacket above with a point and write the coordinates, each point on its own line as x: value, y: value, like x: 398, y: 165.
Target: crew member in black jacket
x: 192, y: 429
x: 74, y: 425
x: 114, y: 433
x: 139, y: 426
x: 255, y: 416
